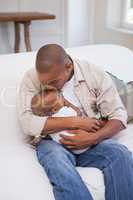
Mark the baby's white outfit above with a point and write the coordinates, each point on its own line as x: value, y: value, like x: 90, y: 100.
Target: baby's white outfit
x: 65, y: 112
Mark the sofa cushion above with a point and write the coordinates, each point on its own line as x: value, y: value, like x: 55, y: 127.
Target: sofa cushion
x: 12, y: 69
x: 115, y: 59
x: 23, y: 178
x: 125, y: 91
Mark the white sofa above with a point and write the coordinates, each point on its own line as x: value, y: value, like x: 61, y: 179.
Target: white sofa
x: 21, y: 176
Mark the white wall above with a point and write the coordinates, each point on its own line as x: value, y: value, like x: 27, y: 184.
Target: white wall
x: 42, y: 32
x: 78, y: 22
x: 79, y: 25
x: 102, y: 34
x: 72, y: 26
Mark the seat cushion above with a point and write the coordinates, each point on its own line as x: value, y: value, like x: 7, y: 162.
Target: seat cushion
x: 23, y: 178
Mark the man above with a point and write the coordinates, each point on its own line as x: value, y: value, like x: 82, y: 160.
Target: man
x: 93, y: 92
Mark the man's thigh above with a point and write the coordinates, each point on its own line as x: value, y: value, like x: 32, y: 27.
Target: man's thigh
x: 102, y: 154
x: 48, y: 150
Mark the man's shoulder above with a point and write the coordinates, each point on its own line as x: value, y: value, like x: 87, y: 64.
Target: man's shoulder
x: 89, y: 69
x: 30, y: 78
x: 30, y: 73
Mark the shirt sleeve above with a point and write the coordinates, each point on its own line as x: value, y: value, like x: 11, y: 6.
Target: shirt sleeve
x: 31, y: 124
x: 109, y: 101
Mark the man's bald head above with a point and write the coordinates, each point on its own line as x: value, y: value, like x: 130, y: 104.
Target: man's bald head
x: 54, y: 67
x: 49, y: 56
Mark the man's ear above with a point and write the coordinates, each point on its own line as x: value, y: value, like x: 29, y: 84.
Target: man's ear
x: 69, y: 66
x: 69, y: 63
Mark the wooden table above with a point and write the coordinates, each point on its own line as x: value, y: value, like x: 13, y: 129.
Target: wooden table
x: 24, y: 18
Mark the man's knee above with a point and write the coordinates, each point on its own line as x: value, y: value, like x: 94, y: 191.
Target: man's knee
x: 112, y: 150
x: 110, y: 145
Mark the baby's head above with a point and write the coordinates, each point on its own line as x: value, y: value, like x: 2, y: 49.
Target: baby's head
x: 47, y: 102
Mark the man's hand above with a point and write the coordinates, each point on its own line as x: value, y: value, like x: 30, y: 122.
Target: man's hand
x: 55, y: 124
x: 80, y: 139
x: 89, y: 124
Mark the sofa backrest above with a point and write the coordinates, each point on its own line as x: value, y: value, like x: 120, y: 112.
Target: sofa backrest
x: 12, y: 69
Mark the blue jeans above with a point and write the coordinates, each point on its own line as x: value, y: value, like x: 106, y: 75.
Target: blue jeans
x: 113, y: 159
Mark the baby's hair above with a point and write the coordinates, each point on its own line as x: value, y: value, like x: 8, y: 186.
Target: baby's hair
x: 39, y: 100
x: 47, y: 90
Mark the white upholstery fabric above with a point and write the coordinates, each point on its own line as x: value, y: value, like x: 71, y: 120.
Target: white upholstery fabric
x: 21, y: 176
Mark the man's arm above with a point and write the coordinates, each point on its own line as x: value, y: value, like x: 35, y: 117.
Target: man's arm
x: 82, y: 139
x: 35, y: 125
x: 111, y: 128
x: 109, y: 102
x: 32, y: 124
x: 54, y: 124
x: 110, y: 106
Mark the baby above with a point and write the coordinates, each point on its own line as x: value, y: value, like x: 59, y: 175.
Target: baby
x: 52, y: 103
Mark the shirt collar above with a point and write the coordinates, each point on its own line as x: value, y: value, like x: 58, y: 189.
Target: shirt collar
x: 78, y: 76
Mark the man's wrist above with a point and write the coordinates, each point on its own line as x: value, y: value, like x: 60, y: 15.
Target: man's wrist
x: 96, y: 137
x: 54, y: 124
x: 72, y: 123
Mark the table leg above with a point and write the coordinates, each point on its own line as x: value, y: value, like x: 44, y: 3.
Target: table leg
x: 27, y: 36
x: 17, y: 37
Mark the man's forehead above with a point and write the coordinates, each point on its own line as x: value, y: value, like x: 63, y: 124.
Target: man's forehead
x: 52, y: 77
x: 52, y: 74
x: 49, y: 64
